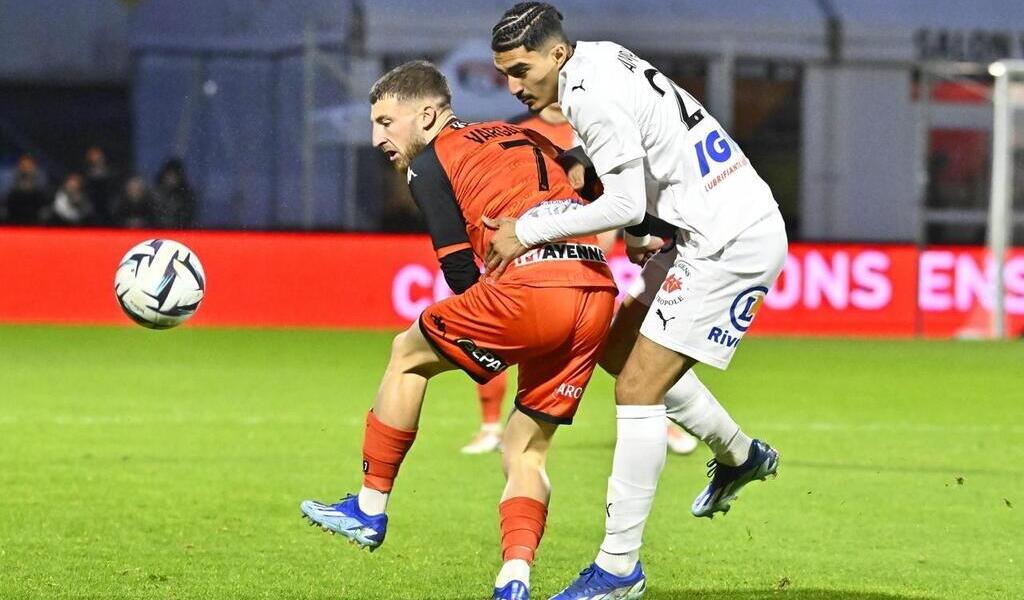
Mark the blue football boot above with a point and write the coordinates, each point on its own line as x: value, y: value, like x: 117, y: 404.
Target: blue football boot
x: 513, y: 590
x: 596, y: 583
x: 726, y: 482
x: 347, y: 519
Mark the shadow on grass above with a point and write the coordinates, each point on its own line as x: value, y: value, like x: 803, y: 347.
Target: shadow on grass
x: 660, y: 593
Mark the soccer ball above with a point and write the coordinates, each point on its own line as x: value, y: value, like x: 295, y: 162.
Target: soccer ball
x: 159, y: 284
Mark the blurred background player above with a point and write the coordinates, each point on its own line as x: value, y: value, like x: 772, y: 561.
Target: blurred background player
x: 549, y: 314
x: 552, y: 124
x: 491, y: 395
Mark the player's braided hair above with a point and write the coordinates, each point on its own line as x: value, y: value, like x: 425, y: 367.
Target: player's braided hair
x: 527, y: 24
x: 411, y: 81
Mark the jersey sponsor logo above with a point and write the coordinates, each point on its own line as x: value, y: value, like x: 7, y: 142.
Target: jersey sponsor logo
x: 562, y: 251
x: 551, y: 207
x: 409, y: 175
x: 570, y: 391
x: 482, y: 134
x: 578, y: 86
x: 482, y: 356
x: 715, y: 146
x: 721, y: 176
x: 724, y: 337
x: 745, y: 307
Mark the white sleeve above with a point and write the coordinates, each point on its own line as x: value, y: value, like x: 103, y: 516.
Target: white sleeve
x: 623, y: 203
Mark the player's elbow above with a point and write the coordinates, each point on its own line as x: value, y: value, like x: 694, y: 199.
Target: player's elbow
x: 636, y: 213
x: 460, y: 270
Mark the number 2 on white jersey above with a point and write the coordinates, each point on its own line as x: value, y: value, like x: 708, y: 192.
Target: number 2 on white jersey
x: 689, y: 119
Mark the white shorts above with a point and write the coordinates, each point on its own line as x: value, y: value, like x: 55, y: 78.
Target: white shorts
x: 702, y: 306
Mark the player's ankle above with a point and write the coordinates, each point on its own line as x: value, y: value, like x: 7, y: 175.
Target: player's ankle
x: 515, y: 569
x: 736, y: 452
x: 619, y: 565
x: 373, y: 502
x: 491, y: 428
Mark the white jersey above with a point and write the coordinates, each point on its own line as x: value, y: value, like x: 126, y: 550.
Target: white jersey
x: 697, y: 178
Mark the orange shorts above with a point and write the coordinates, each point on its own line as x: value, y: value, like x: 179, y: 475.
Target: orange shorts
x: 554, y: 334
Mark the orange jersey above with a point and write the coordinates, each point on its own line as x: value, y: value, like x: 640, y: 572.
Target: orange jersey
x: 560, y: 134
x: 496, y: 169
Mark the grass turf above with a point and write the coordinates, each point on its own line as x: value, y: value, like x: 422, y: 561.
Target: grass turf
x: 136, y: 464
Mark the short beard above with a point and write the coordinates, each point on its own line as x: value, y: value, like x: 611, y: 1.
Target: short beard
x: 405, y: 158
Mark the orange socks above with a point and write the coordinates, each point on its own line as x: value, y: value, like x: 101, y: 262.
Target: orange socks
x: 522, y: 526
x: 384, y: 448
x: 491, y: 395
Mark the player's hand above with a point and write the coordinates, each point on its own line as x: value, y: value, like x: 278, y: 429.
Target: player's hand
x: 638, y: 255
x: 504, y: 247
x: 577, y: 175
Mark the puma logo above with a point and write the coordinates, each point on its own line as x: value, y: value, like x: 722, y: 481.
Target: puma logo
x: 664, y: 321
x: 578, y: 87
x: 608, y: 509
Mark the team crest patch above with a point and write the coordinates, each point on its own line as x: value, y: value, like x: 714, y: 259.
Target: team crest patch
x: 745, y: 307
x: 672, y: 284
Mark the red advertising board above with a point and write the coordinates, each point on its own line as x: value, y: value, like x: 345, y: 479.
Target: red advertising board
x: 384, y: 281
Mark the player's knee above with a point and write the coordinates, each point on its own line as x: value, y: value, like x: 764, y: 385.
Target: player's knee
x: 631, y: 391
x: 522, y: 459
x: 612, y: 358
x: 622, y: 337
x: 399, y: 347
x: 407, y: 354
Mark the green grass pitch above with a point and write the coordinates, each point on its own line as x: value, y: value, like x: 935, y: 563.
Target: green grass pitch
x: 139, y: 464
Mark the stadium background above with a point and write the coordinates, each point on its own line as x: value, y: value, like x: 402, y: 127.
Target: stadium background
x: 871, y: 125
x: 871, y: 121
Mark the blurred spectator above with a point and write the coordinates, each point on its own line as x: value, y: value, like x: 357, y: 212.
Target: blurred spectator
x: 100, y: 184
x: 28, y: 196
x: 136, y: 206
x: 70, y: 204
x: 175, y: 200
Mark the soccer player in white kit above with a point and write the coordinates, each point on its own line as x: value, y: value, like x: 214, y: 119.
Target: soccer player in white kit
x: 657, y: 152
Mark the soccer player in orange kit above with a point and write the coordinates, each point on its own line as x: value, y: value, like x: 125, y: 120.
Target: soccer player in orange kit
x: 549, y: 313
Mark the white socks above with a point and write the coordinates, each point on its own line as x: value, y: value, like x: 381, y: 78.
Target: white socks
x: 619, y: 565
x: 636, y: 467
x: 516, y: 568
x: 690, y: 404
x: 372, y: 502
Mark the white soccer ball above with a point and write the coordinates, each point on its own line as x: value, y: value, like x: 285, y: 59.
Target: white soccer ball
x: 159, y: 284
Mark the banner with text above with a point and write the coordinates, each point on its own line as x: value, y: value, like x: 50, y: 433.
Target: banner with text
x: 385, y: 281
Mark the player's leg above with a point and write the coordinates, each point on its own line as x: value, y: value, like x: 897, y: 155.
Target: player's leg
x: 638, y: 460
x: 680, y: 331
x: 523, y: 509
x: 624, y: 331
x: 389, y: 433
x: 744, y: 271
x: 488, y: 438
x: 571, y: 326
